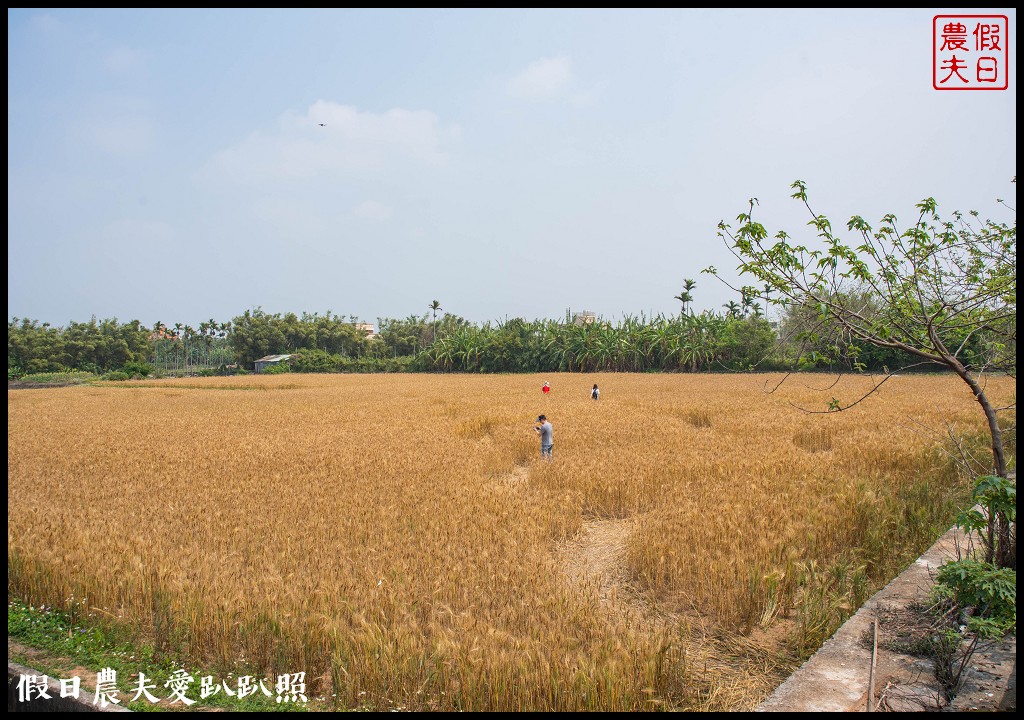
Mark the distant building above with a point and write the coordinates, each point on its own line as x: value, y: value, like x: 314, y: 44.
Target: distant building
x: 584, y: 318
x: 269, y: 360
x: 162, y: 333
x: 368, y: 328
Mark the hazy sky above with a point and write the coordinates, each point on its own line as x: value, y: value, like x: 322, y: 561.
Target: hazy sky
x: 170, y: 164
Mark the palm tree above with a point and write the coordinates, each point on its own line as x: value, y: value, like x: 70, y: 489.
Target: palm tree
x: 177, y: 342
x: 189, y: 334
x: 733, y: 308
x: 685, y: 297
x: 434, y: 307
x: 747, y: 297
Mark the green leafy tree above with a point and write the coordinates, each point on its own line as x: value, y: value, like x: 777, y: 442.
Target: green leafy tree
x: 33, y: 347
x: 404, y: 336
x: 744, y: 343
x: 934, y: 285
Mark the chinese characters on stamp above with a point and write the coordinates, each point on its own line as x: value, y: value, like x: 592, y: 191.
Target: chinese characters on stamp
x: 970, y: 52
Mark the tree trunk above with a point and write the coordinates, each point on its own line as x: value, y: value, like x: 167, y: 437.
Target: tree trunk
x: 1000, y: 550
x: 998, y: 457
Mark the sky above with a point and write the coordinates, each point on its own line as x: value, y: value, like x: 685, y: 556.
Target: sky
x: 179, y: 165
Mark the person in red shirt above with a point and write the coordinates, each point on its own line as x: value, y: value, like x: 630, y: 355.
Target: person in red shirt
x: 546, y: 388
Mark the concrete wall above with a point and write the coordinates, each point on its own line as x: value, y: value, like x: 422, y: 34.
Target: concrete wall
x: 837, y: 677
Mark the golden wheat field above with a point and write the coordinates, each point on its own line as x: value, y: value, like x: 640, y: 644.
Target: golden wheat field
x: 398, y: 538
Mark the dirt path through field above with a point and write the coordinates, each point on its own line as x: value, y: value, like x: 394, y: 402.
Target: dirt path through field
x: 596, y: 559
x: 517, y: 477
x: 597, y: 556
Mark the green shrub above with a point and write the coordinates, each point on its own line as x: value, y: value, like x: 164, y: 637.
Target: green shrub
x: 404, y: 363
x: 116, y: 375
x: 60, y: 378
x: 314, y: 361
x: 993, y: 516
x: 134, y: 368
x: 990, y: 592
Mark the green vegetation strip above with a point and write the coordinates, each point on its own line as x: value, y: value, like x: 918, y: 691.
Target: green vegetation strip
x: 180, y: 386
x: 60, y: 648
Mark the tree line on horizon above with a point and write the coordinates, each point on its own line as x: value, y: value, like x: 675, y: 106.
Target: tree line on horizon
x: 737, y: 339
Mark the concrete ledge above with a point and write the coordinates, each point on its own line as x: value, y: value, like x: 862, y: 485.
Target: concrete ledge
x: 836, y: 678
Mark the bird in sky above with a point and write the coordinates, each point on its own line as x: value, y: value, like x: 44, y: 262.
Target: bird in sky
x: 322, y: 124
